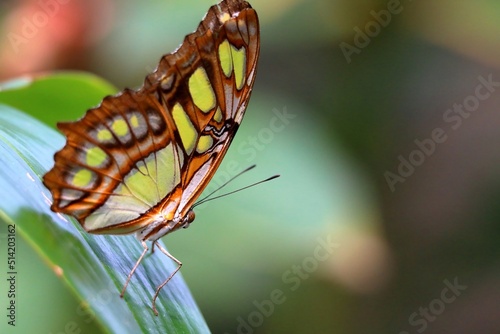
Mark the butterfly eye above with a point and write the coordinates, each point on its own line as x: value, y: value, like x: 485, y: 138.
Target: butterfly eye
x: 191, y: 216
x: 189, y: 219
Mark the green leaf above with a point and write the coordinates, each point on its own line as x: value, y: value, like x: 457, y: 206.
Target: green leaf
x: 63, y: 96
x: 94, y: 267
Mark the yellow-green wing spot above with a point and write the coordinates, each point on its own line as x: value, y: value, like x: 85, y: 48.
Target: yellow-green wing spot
x: 240, y: 65
x: 134, y: 121
x: 161, y: 171
x: 120, y: 127
x: 225, y: 58
x: 95, y: 156
x: 204, y: 144
x: 104, y: 135
x: 140, y: 190
x: 231, y: 58
x: 218, y: 115
x: 201, y: 90
x: 138, y: 124
x: 82, y: 178
x: 185, y: 127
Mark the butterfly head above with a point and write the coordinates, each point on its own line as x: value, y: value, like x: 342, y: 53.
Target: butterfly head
x: 188, y: 219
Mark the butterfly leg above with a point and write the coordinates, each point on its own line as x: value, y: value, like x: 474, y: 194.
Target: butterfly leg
x: 135, y: 267
x: 179, y: 265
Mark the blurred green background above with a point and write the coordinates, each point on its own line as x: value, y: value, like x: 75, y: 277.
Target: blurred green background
x: 377, y: 224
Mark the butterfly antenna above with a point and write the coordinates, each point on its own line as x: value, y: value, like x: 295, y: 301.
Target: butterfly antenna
x: 227, y: 182
x: 207, y: 198
x: 235, y: 191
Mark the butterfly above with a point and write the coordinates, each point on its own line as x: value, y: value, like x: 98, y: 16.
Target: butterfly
x: 138, y: 162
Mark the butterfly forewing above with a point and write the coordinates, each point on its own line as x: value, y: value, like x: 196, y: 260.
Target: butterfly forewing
x: 153, y: 151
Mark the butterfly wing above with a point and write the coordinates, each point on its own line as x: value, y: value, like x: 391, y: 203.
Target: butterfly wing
x: 216, y: 82
x: 155, y: 149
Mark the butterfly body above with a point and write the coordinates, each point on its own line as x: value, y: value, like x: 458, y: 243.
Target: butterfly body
x: 138, y: 162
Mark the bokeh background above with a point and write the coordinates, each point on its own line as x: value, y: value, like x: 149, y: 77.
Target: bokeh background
x: 382, y: 118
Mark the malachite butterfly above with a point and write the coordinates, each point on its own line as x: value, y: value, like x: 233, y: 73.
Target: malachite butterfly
x: 139, y: 161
